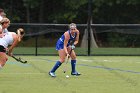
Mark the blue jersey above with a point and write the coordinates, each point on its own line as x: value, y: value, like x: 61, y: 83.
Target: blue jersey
x: 60, y: 42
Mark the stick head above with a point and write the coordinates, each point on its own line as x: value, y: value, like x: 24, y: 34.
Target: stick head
x: 25, y: 62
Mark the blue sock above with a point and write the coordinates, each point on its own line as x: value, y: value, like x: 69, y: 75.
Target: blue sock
x: 73, y: 65
x: 56, y: 66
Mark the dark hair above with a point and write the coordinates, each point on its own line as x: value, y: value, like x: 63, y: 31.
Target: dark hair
x: 22, y: 33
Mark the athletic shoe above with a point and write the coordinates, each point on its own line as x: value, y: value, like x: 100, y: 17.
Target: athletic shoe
x: 52, y: 74
x: 75, y: 73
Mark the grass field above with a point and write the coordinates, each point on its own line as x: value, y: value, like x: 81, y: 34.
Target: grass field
x: 100, y: 74
x: 79, y: 51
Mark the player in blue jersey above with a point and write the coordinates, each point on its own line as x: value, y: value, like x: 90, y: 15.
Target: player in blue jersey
x: 64, y: 47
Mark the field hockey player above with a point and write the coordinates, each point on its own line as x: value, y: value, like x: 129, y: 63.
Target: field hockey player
x: 63, y: 46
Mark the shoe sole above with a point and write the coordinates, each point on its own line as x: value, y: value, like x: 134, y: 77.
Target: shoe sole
x: 51, y: 75
x: 75, y: 74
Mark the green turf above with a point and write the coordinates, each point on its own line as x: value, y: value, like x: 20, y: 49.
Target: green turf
x: 100, y: 74
x: 79, y: 51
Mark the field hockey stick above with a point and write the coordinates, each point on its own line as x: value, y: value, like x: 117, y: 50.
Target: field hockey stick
x: 19, y: 59
x: 67, y: 60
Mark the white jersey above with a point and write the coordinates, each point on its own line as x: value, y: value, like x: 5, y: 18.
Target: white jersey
x: 6, y: 40
x: 1, y: 18
x: 5, y: 30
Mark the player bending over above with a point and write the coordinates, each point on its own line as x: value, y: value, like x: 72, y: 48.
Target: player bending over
x: 10, y: 39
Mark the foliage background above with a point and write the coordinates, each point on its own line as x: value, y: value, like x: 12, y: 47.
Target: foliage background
x: 66, y: 11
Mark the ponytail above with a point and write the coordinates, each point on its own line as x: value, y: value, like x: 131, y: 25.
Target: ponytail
x: 20, y: 33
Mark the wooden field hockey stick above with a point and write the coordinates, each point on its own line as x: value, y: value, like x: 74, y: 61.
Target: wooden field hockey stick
x: 67, y: 60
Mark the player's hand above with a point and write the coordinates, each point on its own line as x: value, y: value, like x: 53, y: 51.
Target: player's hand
x: 77, y: 30
x: 72, y: 46
x: 68, y: 55
x: 7, y: 50
x: 10, y: 54
x: 1, y: 35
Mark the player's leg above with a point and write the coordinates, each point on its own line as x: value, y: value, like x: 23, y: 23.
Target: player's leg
x: 3, y: 59
x: 62, y: 56
x: 73, y: 64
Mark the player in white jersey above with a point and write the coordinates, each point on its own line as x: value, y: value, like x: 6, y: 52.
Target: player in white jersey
x: 2, y: 15
x: 8, y: 42
x: 5, y: 22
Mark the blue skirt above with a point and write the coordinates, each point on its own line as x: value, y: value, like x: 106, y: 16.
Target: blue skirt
x: 59, y: 45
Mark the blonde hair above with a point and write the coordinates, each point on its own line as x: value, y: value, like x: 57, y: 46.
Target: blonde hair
x: 72, y: 25
x: 20, y: 33
x: 5, y: 20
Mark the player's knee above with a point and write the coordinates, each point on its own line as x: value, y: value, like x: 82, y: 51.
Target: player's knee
x: 73, y: 57
x: 3, y: 59
x: 3, y: 63
x: 62, y: 60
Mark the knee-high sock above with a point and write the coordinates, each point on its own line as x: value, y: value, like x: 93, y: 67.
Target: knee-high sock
x: 73, y: 65
x: 56, y: 66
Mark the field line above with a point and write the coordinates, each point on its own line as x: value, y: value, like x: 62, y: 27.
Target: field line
x: 21, y: 73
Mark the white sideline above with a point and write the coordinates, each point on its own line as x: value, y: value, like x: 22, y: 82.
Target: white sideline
x: 22, y: 73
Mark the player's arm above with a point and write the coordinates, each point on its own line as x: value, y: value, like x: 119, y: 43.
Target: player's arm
x: 14, y: 44
x: 77, y: 37
x: 67, y: 37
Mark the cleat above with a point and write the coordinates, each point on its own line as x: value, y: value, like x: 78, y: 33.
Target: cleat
x: 75, y: 73
x: 52, y: 74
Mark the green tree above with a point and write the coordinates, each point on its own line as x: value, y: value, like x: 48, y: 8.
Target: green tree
x: 65, y: 11
x: 30, y: 4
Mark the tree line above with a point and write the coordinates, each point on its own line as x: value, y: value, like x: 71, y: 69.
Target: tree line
x: 66, y: 11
